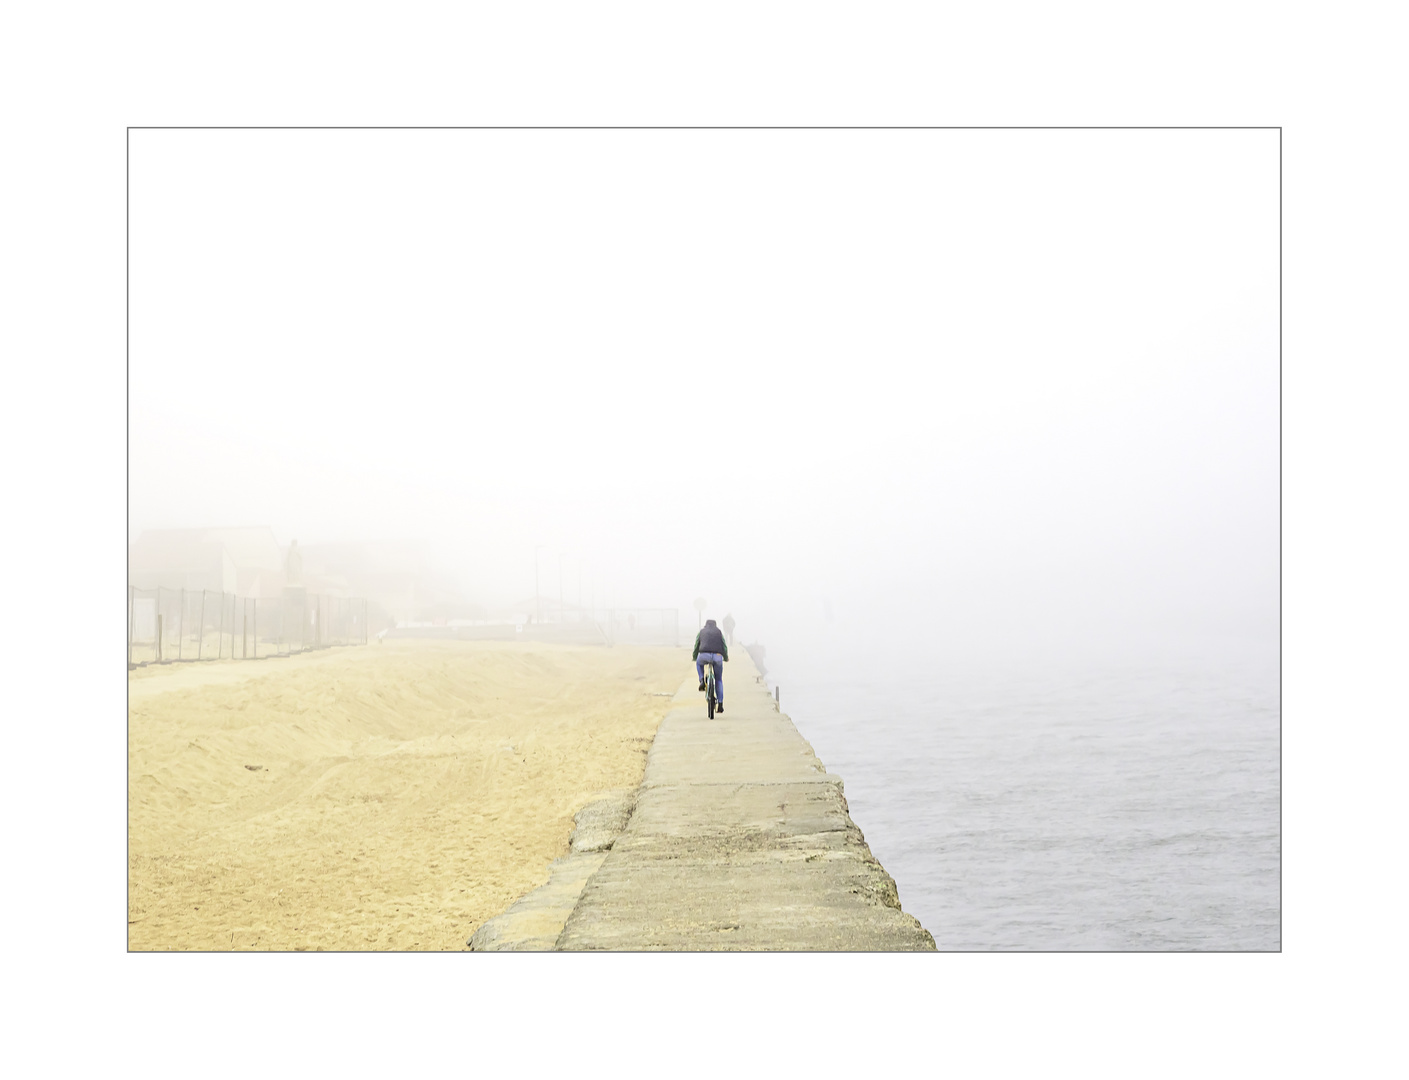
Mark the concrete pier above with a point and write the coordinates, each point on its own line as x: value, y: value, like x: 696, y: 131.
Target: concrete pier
x: 739, y: 839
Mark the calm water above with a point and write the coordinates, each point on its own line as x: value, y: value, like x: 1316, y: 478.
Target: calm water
x: 1088, y: 807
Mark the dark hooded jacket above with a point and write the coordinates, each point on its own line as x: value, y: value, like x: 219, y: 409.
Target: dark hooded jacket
x: 711, y: 640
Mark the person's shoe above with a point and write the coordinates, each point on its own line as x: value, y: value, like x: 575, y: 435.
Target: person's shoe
x: 702, y: 686
x: 719, y: 706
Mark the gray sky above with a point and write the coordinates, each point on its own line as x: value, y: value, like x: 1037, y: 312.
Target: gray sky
x: 999, y: 384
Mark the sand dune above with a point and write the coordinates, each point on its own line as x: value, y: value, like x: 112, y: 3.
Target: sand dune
x: 380, y: 797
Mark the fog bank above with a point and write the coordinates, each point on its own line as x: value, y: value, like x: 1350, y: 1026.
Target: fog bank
x: 1005, y: 393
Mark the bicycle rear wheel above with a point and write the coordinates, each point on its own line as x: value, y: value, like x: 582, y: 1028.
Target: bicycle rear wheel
x: 709, y: 694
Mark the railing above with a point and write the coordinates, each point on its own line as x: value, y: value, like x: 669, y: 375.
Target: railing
x: 178, y: 625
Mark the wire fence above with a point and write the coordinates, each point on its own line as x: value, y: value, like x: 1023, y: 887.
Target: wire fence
x: 178, y: 625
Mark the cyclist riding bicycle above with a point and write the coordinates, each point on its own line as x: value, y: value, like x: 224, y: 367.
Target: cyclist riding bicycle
x: 711, y: 648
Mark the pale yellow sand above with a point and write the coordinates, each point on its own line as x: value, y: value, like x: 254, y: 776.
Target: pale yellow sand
x: 404, y: 793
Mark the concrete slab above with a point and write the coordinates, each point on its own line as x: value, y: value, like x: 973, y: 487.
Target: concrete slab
x: 534, y: 922
x: 740, y: 839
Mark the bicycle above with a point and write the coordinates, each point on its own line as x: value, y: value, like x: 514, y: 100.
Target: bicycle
x: 711, y: 691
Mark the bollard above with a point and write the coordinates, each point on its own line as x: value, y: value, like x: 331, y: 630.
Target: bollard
x: 777, y: 699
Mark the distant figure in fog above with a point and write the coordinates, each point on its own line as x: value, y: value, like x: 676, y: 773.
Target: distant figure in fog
x: 711, y: 648
x: 293, y: 565
x: 728, y: 625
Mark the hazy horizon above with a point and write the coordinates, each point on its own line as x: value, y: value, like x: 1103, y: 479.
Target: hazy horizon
x: 1008, y: 391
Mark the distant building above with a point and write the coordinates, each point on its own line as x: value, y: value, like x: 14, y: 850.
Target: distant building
x: 400, y: 576
x: 246, y: 561
x: 258, y: 559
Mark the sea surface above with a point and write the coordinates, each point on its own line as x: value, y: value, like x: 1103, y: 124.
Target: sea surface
x: 1072, y: 806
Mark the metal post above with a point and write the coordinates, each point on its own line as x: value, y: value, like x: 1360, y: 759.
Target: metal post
x: 777, y: 700
x: 200, y: 628
x: 254, y: 631
x: 131, y: 620
x: 158, y: 634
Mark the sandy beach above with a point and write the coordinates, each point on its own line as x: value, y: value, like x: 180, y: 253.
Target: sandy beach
x: 389, y: 796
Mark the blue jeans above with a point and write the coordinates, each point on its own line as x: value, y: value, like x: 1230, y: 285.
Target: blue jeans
x: 715, y: 660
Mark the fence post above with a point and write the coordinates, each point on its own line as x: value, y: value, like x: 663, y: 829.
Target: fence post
x: 254, y: 633
x: 200, y: 627
x: 158, y: 635
x: 131, y: 620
